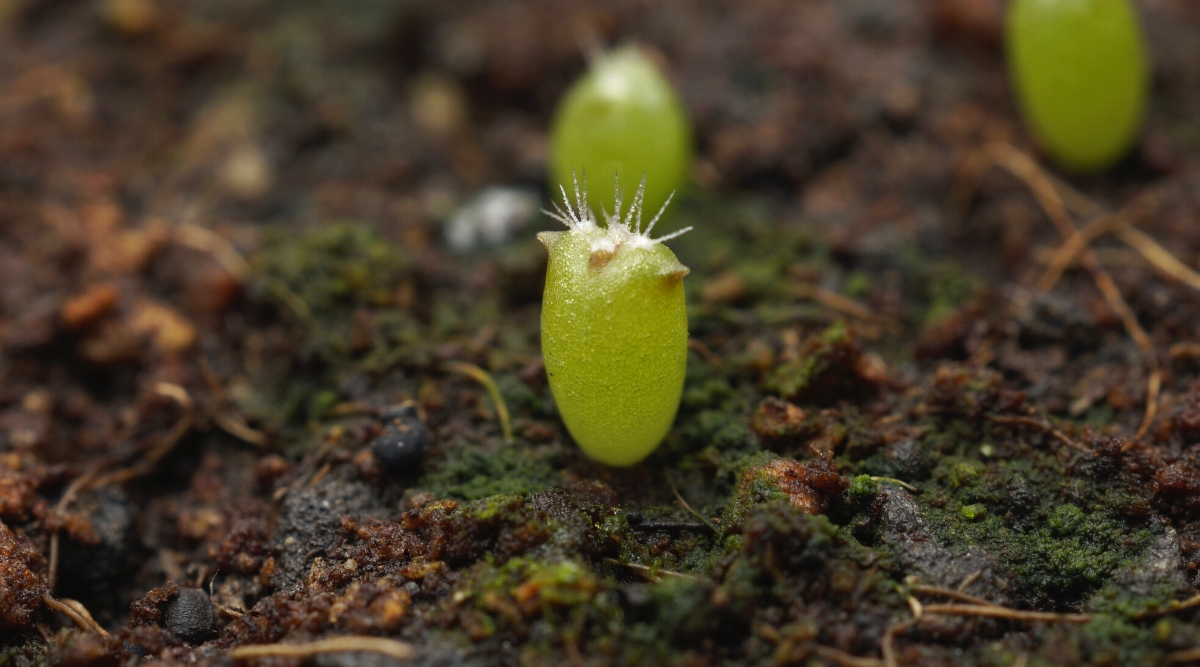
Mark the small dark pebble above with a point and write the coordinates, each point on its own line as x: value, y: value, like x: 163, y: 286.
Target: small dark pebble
x: 89, y: 570
x: 189, y: 615
x: 134, y: 649
x: 404, y: 441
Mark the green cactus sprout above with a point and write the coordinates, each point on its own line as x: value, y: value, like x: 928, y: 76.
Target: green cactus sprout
x: 1079, y: 67
x: 622, y: 116
x: 614, y: 328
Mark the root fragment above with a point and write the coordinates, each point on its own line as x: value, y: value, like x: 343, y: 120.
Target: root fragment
x: 389, y: 647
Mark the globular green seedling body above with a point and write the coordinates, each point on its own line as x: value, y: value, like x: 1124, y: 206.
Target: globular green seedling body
x: 623, y: 116
x: 1080, y: 71
x: 614, y: 332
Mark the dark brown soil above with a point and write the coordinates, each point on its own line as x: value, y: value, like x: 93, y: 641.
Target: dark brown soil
x: 233, y: 409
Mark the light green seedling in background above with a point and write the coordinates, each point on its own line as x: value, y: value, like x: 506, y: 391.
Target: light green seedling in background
x: 1080, y: 70
x: 614, y: 329
x: 622, y: 116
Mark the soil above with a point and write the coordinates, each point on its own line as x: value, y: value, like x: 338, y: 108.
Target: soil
x: 244, y: 366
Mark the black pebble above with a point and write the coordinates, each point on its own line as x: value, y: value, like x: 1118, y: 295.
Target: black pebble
x: 189, y: 615
x: 404, y: 441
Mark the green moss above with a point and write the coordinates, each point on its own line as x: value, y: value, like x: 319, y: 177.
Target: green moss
x: 973, y: 512
x: 1059, y: 552
x: 863, y: 486
x: 857, y: 285
x: 948, y: 287
x: 335, y: 267
x: 471, y: 471
x: 823, y: 362
x: 30, y: 654
x: 761, y: 487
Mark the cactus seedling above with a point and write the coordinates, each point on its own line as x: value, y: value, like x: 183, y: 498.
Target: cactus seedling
x: 623, y: 116
x: 1079, y: 67
x: 614, y: 329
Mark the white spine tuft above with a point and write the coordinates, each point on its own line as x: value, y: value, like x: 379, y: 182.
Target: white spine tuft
x: 616, y: 232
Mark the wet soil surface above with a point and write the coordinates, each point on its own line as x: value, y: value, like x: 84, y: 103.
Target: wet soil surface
x: 240, y: 353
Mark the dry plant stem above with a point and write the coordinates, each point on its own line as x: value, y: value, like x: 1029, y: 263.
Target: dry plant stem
x: 165, y: 445
x: 704, y: 351
x: 968, y: 580
x: 1047, y: 195
x: 68, y: 497
x: 1154, y: 386
x: 1156, y: 254
x: 1028, y: 171
x: 650, y: 572
x: 482, y: 377
x: 293, y: 301
x: 1186, y: 655
x: 225, y: 417
x: 1174, y: 606
x: 844, y: 305
x: 218, y: 246
x: 915, y: 606
x: 897, y: 482
x: 1118, y: 224
x: 233, y: 424
x: 952, y: 594
x: 93, y: 479
x: 76, y: 612
x: 845, y: 659
x: 688, y: 507
x: 1037, y: 424
x: 888, y: 646
x: 1069, y: 251
x: 389, y: 647
x: 994, y: 611
x: 85, y: 614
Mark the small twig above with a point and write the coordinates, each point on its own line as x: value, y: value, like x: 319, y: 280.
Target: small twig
x: 76, y: 612
x: 389, y: 647
x: 218, y: 246
x: 845, y: 659
x: 69, y: 495
x: 290, y: 299
x: 1070, y: 250
x: 969, y: 579
x: 1046, y: 192
x: 994, y: 611
x: 897, y: 482
x: 233, y: 424
x: 85, y: 614
x: 1186, y: 655
x: 1157, y: 255
x: 651, y: 572
x: 1118, y: 225
x: 704, y: 351
x: 688, y: 507
x: 845, y: 305
x: 1043, y: 427
x: 888, y: 646
x: 1153, y: 387
x: 164, y: 446
x: 1174, y: 606
x: 914, y: 605
x: 482, y: 377
x: 952, y: 594
x: 665, y: 525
